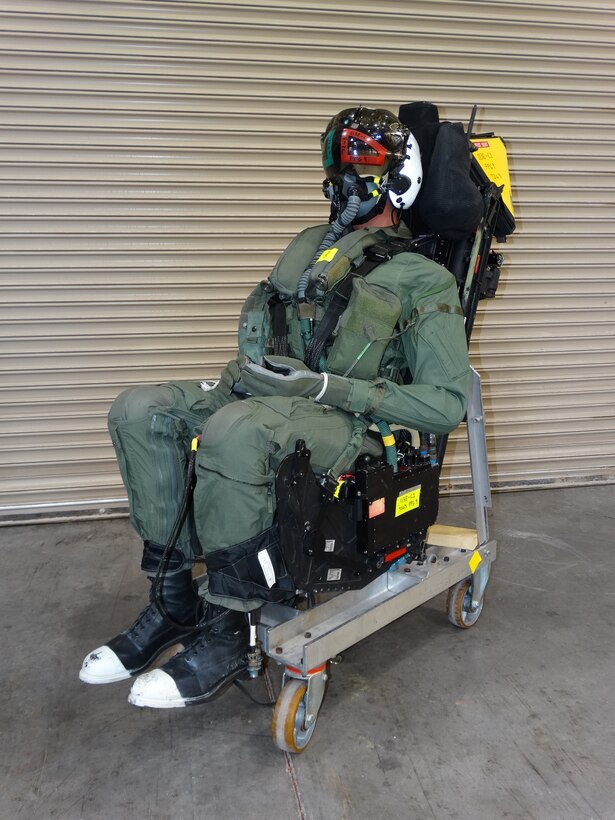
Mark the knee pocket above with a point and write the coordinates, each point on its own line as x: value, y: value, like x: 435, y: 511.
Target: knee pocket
x: 236, y: 444
x: 137, y: 402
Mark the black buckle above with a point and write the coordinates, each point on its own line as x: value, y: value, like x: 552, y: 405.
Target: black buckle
x: 378, y: 253
x: 329, y: 483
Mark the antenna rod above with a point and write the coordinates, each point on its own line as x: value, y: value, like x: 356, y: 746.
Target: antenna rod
x: 472, y: 118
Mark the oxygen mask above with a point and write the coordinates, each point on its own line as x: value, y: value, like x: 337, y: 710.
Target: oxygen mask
x: 358, y: 190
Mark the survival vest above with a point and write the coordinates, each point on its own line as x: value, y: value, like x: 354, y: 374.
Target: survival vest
x: 354, y: 321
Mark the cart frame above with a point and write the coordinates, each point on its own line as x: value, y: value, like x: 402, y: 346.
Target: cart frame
x: 305, y: 640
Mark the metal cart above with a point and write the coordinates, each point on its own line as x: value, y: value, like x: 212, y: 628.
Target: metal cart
x: 457, y: 559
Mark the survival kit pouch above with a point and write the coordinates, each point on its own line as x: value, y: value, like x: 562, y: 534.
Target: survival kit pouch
x: 363, y: 331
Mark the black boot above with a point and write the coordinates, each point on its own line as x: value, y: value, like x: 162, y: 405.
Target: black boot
x: 137, y: 647
x: 216, y: 656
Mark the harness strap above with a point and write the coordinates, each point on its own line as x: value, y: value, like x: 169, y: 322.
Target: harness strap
x: 279, y: 327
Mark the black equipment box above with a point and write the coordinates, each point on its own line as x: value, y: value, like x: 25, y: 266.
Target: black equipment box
x: 395, y: 505
x: 375, y: 517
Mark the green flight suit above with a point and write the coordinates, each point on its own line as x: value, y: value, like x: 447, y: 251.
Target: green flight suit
x: 244, y: 440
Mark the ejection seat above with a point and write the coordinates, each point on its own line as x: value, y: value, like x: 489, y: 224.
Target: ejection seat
x: 368, y: 550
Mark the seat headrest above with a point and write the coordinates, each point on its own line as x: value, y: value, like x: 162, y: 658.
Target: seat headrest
x: 449, y: 203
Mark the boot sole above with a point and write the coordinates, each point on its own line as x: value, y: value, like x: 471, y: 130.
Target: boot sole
x: 100, y: 679
x: 219, y: 689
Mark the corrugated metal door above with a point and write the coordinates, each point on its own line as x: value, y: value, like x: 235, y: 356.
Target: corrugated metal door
x: 155, y: 157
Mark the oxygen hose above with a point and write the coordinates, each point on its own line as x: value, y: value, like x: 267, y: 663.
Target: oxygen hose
x: 388, y: 439
x: 157, y: 596
x: 333, y: 234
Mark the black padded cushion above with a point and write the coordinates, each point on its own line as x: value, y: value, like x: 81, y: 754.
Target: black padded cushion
x: 423, y: 120
x: 451, y: 204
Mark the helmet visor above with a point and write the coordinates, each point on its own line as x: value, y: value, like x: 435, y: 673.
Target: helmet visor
x: 357, y: 148
x: 346, y: 147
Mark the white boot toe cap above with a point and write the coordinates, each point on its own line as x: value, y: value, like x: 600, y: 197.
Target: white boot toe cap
x: 103, y: 666
x: 157, y: 690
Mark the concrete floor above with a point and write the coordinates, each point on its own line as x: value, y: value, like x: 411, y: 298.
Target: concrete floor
x: 511, y: 719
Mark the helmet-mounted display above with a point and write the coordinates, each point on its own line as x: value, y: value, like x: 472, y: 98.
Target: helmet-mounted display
x: 369, y: 153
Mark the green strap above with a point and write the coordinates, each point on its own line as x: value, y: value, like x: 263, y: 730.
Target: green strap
x: 438, y: 308
x: 352, y: 449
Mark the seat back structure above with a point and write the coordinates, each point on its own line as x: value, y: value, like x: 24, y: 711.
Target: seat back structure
x: 342, y: 540
x: 463, y: 205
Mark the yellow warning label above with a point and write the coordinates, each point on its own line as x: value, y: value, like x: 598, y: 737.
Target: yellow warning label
x: 491, y: 155
x: 409, y: 500
x: 475, y: 561
x: 327, y: 256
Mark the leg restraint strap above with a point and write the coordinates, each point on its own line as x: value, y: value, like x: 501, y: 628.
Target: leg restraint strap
x: 251, y: 569
x: 152, y: 556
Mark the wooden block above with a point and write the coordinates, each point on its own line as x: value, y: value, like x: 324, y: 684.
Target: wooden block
x: 459, y: 538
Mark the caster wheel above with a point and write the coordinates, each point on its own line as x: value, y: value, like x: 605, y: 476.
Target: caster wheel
x: 459, y: 603
x: 288, y: 729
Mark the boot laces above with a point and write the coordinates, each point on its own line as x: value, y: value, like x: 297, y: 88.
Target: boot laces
x: 143, y: 619
x: 199, y: 643
x: 207, y: 630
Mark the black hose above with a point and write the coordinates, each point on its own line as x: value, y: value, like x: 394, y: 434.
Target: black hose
x: 186, y: 503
